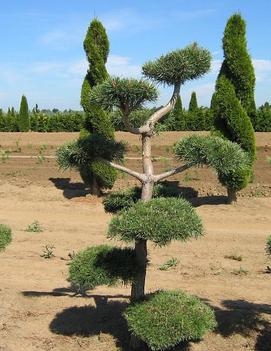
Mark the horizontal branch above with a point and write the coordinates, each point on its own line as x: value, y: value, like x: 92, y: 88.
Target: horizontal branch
x: 137, y: 175
x: 173, y: 171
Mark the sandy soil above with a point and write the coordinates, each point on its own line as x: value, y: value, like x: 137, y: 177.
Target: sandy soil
x: 39, y: 312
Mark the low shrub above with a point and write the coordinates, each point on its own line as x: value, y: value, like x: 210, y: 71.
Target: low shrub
x: 159, y: 220
x: 167, y: 318
x: 5, y: 236
x: 102, y: 265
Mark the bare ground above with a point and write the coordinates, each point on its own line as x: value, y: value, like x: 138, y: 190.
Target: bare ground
x: 39, y: 312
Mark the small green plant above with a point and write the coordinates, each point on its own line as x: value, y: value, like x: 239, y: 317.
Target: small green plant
x: 48, y: 251
x: 269, y: 160
x: 4, y: 155
x: 30, y: 146
x: 18, y: 148
x: 5, y: 236
x: 34, y: 227
x: 268, y: 245
x: 171, y: 263
x: 187, y: 177
x: 234, y: 257
x: 240, y: 271
x: 167, y: 318
x: 40, y: 158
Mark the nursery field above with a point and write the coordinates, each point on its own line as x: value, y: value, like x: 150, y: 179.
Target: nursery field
x: 227, y: 268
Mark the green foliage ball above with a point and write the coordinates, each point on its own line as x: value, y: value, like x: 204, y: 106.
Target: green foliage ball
x: 102, y: 265
x: 5, y: 236
x: 167, y: 318
x: 179, y: 66
x: 159, y: 220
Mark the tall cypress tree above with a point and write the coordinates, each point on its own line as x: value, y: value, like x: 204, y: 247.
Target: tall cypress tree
x: 96, y: 45
x: 234, y: 99
x: 23, y: 118
x: 237, y: 65
x: 193, y: 104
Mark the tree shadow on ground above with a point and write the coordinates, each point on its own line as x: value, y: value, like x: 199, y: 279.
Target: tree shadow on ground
x: 245, y: 318
x: 68, y: 292
x: 209, y: 200
x: 70, y: 190
x: 105, y: 318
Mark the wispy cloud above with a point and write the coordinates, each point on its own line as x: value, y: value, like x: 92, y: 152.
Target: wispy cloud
x: 192, y: 15
x: 129, y: 20
x: 122, y: 66
x: 262, y: 70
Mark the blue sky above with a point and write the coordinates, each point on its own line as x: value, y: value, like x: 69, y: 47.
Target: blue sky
x: 41, y: 52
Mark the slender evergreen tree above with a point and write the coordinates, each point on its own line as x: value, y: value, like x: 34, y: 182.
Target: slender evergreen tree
x: 23, y: 118
x: 237, y: 65
x: 96, y: 45
x: 233, y: 100
x: 178, y: 115
x: 193, y: 104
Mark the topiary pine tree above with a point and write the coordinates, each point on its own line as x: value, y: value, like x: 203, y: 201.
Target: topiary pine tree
x: 96, y: 45
x: 160, y: 220
x: 23, y: 118
x: 193, y: 104
x: 237, y: 65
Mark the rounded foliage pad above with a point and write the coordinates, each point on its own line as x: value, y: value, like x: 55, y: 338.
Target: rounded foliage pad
x: 167, y: 318
x: 127, y: 94
x: 5, y: 236
x: 159, y: 220
x: 179, y: 66
x: 102, y: 265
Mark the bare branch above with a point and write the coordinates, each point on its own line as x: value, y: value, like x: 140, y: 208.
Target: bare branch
x: 163, y: 110
x: 140, y: 176
x: 173, y: 171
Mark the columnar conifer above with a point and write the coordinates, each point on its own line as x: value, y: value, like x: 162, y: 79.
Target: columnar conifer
x: 96, y: 45
x: 23, y: 118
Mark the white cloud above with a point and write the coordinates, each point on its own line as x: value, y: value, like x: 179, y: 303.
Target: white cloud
x: 122, y: 66
x: 262, y: 70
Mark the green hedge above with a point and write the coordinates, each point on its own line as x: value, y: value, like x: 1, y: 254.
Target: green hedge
x: 70, y: 121
x: 73, y: 121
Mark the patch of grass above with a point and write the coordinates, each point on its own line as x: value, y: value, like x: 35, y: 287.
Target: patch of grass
x: 171, y: 263
x: 34, y: 227
x: 187, y: 178
x: 234, y: 257
x: 5, y: 236
x: 241, y: 271
x: 48, y: 252
x: 4, y: 155
x: 18, y: 148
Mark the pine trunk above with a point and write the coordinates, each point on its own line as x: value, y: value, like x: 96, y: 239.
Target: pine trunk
x: 232, y: 196
x: 138, y: 286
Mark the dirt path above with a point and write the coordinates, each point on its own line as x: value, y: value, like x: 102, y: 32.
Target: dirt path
x: 38, y: 311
